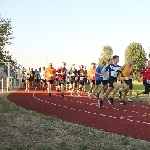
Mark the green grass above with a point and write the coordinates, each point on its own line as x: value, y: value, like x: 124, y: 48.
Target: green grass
x: 21, y: 129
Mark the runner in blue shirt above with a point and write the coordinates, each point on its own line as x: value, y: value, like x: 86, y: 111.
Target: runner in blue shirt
x: 99, y: 79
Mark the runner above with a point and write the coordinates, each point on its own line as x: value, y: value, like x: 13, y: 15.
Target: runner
x: 146, y: 72
x: 56, y: 82
x: 99, y: 79
x: 32, y: 73
x: 50, y: 76
x: 91, y: 77
x: 67, y: 83
x: 114, y: 70
x: 127, y: 71
x: 28, y: 79
x: 105, y: 80
x: 73, y: 78
x: 141, y: 72
x: 37, y: 79
x: 23, y: 79
x: 81, y: 74
x: 42, y: 77
x: 62, y: 73
x: 85, y: 79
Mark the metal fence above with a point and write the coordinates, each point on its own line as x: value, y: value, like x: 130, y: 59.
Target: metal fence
x: 10, y: 77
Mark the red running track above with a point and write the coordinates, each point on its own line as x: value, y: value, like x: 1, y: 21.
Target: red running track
x: 132, y: 119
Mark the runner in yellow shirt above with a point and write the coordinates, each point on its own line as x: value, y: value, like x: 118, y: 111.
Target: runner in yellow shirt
x: 127, y: 71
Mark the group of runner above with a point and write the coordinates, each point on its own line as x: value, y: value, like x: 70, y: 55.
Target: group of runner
x: 74, y: 80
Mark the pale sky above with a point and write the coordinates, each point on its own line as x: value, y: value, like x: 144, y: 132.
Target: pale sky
x: 74, y: 31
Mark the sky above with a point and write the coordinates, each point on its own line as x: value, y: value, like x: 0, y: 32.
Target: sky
x: 74, y: 31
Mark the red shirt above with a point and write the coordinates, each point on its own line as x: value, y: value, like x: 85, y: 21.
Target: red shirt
x: 145, y: 73
x: 63, y: 71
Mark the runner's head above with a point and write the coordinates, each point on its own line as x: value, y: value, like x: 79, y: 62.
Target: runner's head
x: 63, y: 64
x: 103, y: 64
x: 81, y: 67
x: 43, y: 68
x: 73, y: 66
x: 115, y: 59
x: 110, y: 61
x: 93, y: 65
x: 130, y: 61
x: 50, y: 65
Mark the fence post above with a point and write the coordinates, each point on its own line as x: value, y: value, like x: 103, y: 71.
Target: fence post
x: 8, y: 81
x: 8, y: 84
x: 2, y: 85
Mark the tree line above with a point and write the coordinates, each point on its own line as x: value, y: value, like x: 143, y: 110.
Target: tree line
x: 134, y: 50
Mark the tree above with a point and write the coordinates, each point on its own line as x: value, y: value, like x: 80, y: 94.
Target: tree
x: 5, y: 35
x: 106, y: 54
x: 137, y: 53
x: 149, y: 53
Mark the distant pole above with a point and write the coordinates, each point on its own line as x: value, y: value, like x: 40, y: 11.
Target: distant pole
x: 2, y: 85
x: 15, y: 78
x: 8, y: 77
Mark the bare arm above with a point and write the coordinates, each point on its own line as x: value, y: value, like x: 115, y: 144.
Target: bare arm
x: 104, y: 73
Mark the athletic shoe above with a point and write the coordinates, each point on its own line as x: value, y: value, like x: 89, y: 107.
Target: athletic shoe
x: 129, y: 100
x: 120, y: 93
x: 62, y: 96
x: 111, y: 101
x: 100, y: 103
x: 49, y: 94
x: 122, y: 102
x: 93, y: 96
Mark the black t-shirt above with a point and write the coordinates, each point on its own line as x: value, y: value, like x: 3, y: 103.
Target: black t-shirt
x: 73, y: 74
x: 32, y: 73
x: 81, y: 74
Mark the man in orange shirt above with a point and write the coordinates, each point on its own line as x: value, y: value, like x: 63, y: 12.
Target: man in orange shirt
x: 92, y: 77
x: 50, y: 76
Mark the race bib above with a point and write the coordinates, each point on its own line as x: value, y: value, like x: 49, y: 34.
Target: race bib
x: 73, y: 74
x: 113, y: 73
x: 62, y: 73
x: 76, y: 78
x: 148, y: 81
x: 81, y: 78
x: 127, y: 78
x: 92, y: 75
x: 51, y: 75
